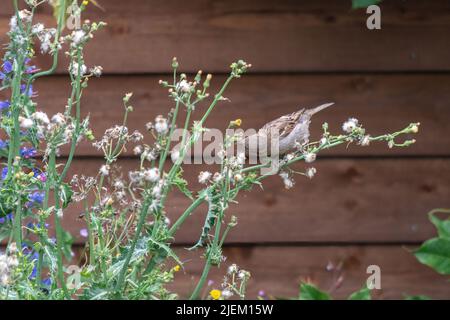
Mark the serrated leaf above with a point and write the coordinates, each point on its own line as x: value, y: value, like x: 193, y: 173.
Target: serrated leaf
x: 358, y: 4
x: 435, y: 253
x: 442, y: 226
x: 169, y: 252
x: 362, y: 294
x: 182, y: 184
x: 210, y: 220
x: 310, y: 292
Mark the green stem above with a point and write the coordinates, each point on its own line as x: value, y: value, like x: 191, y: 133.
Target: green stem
x: 208, y: 264
x: 143, y: 215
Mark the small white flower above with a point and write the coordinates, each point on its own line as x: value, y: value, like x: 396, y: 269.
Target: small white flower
x: 226, y: 293
x: 97, y: 71
x: 41, y: 117
x: 25, y: 123
x: 167, y: 221
x: 137, y: 150
x: 74, y: 69
x: 217, y: 177
x: 151, y: 175
x: 161, y: 125
x: 233, y: 269
x: 290, y: 156
x: 350, y: 125
x: 118, y: 184
x: 323, y: 141
x: 310, y: 172
x: 58, y: 119
x: 78, y: 36
x: 391, y: 144
x: 184, y: 86
x: 238, y: 177
x: 242, y: 274
x: 288, y: 183
x: 156, y: 191
x: 310, y: 157
x: 204, y: 176
x: 104, y: 170
x: 37, y: 28
x: 365, y: 141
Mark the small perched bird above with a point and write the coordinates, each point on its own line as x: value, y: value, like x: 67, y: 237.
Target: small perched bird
x: 292, y: 129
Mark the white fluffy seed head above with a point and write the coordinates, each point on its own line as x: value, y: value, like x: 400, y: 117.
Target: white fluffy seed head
x: 350, y: 125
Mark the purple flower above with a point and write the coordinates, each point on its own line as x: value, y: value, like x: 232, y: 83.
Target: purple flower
x: 8, y: 217
x: 3, y: 144
x: 4, y: 105
x: 30, y: 91
x: 37, y: 197
x: 4, y: 173
x: 84, y: 233
x: 7, y: 67
x: 47, y: 282
x: 28, y: 152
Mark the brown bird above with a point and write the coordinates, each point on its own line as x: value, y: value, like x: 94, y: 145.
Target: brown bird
x: 292, y: 129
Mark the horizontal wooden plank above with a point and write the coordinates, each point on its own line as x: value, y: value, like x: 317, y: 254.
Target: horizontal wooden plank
x: 279, y: 270
x: 283, y: 35
x: 382, y: 103
x: 373, y: 201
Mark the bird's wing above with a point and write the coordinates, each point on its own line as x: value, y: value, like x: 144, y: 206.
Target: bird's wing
x: 284, y: 124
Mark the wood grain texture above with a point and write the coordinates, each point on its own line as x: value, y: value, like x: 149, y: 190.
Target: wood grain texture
x: 382, y: 103
x: 278, y: 270
x: 370, y: 201
x: 323, y: 35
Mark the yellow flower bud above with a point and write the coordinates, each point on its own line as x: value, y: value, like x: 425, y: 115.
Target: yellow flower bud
x: 177, y: 268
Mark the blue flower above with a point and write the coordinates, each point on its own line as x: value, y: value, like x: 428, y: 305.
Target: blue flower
x: 37, y: 197
x: 8, y: 217
x: 47, y: 282
x: 4, y: 173
x: 28, y: 152
x: 4, y: 105
x: 23, y: 88
x: 7, y: 67
x: 3, y: 144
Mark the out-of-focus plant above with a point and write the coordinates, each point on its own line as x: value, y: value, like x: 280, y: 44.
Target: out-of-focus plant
x: 129, y: 236
x: 435, y: 252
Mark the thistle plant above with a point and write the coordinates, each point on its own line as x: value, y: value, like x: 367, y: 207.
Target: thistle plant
x: 128, y: 252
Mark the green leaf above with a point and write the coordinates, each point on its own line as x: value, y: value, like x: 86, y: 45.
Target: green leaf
x: 66, y: 195
x: 419, y: 297
x: 358, y: 4
x: 362, y: 294
x: 442, y: 226
x: 435, y: 253
x: 310, y: 292
x: 211, y: 217
x: 169, y: 252
x: 182, y: 184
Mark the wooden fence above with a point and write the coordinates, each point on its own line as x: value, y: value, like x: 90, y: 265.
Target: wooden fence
x: 366, y: 206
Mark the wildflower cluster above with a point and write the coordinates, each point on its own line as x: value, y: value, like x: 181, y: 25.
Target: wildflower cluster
x: 128, y: 250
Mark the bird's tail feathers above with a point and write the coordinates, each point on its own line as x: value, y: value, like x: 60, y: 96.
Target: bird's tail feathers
x: 319, y: 108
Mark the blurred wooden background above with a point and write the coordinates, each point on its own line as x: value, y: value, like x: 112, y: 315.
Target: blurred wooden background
x: 367, y: 205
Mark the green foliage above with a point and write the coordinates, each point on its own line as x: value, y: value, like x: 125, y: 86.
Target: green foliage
x: 310, y: 292
x: 435, y: 252
x: 363, y: 294
x: 358, y: 4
